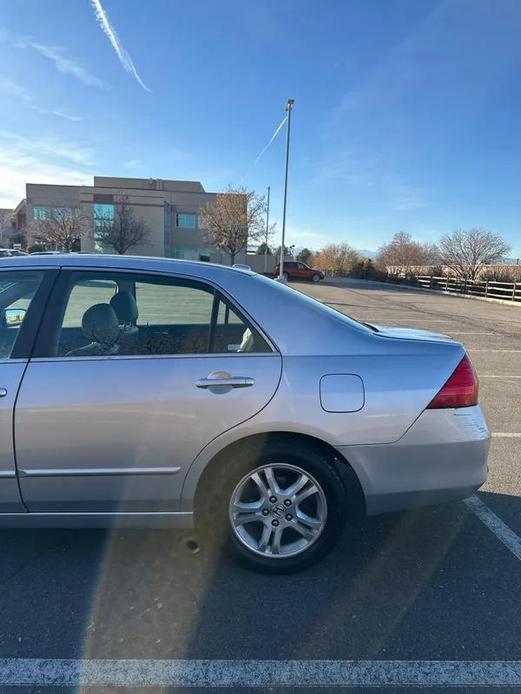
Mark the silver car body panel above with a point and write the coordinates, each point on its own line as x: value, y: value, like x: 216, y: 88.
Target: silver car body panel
x: 443, y: 456
x: 11, y: 373
x: 125, y: 414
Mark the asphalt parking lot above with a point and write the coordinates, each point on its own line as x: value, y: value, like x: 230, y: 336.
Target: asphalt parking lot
x: 440, y: 584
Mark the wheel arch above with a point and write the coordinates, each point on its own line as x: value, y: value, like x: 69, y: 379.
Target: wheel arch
x: 210, y: 472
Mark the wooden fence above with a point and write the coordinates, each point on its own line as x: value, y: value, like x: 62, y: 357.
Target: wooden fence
x: 508, y: 291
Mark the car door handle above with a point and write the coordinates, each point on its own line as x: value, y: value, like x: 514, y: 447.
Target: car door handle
x: 230, y: 381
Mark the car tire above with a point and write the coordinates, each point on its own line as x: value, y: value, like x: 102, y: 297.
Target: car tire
x: 316, y: 278
x: 289, y: 463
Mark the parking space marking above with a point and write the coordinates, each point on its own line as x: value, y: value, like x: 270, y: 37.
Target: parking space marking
x: 496, y: 376
x: 506, y: 435
x: 425, y: 320
x: 506, y: 351
x: 260, y: 673
x: 500, y: 529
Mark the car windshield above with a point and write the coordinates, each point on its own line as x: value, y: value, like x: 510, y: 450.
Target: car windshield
x: 260, y: 346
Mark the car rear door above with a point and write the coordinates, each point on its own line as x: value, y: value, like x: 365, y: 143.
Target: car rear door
x: 303, y: 271
x: 114, y: 426
x: 22, y: 297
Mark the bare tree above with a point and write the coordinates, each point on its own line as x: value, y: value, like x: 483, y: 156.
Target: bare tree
x: 466, y: 252
x: 336, y: 259
x: 62, y: 229
x: 403, y: 254
x: 5, y: 224
x: 233, y: 219
x: 123, y: 230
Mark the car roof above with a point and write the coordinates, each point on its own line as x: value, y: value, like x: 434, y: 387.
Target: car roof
x: 130, y: 262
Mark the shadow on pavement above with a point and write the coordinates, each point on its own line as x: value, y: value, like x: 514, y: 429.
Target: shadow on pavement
x: 430, y: 584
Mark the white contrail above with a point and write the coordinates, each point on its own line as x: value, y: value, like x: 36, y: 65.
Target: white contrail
x: 259, y: 155
x: 110, y: 32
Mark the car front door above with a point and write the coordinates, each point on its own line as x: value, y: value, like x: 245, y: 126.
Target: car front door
x: 132, y: 375
x: 290, y: 268
x: 22, y: 297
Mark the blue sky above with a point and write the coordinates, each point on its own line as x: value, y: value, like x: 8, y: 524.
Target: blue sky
x: 407, y: 114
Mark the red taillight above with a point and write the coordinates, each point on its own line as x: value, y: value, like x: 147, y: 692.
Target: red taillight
x: 461, y: 390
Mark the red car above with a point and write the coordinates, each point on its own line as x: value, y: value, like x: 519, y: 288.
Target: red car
x: 295, y: 270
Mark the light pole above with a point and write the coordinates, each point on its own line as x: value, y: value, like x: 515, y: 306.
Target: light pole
x: 289, y: 106
x: 267, y: 233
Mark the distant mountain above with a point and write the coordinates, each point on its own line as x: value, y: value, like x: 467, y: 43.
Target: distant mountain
x: 510, y: 261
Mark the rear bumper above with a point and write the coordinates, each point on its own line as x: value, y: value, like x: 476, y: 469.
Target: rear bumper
x: 442, y: 457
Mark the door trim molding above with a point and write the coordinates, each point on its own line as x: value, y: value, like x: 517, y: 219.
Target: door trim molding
x: 97, y: 471
x: 9, y: 474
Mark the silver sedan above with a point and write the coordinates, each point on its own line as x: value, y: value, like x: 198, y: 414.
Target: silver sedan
x: 152, y: 392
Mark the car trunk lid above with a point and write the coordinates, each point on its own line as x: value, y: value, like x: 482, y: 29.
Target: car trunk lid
x: 409, y: 333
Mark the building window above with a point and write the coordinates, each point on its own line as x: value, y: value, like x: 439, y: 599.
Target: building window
x: 193, y: 253
x: 103, y: 214
x: 41, y: 213
x: 186, y: 221
x: 61, y: 212
x: 54, y: 212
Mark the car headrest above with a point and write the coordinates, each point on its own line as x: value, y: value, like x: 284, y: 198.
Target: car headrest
x: 100, y: 324
x: 125, y: 307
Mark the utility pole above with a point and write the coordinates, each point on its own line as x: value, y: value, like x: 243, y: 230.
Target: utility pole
x: 267, y: 232
x: 289, y: 106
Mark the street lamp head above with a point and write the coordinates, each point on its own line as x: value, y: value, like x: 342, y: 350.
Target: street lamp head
x: 290, y: 104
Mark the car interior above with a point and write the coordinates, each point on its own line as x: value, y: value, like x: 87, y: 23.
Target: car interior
x: 15, y: 297
x: 115, y: 327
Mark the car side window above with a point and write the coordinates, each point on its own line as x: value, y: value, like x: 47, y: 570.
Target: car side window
x: 172, y: 304
x: 231, y: 333
x: 17, y: 290
x: 83, y: 295
x: 127, y: 314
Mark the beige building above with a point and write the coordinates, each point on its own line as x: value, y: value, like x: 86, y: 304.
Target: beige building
x: 169, y: 208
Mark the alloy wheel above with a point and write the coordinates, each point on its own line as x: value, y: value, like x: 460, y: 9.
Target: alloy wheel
x: 278, y: 510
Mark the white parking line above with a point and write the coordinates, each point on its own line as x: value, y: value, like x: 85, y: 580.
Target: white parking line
x: 501, y: 530
x: 506, y: 351
x: 496, y: 376
x: 506, y: 435
x: 422, y: 320
x: 240, y: 674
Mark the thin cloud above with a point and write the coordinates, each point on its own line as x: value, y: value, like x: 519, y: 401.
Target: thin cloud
x: 17, y: 91
x: 408, y: 198
x: 131, y: 163
x: 263, y: 150
x: 58, y: 112
x: 12, y: 88
x: 49, y: 149
x: 56, y: 54
x: 301, y: 236
x: 110, y: 32
x: 24, y: 159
